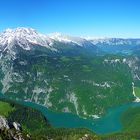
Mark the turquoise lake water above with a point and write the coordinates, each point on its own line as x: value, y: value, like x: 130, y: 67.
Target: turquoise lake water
x: 107, y: 124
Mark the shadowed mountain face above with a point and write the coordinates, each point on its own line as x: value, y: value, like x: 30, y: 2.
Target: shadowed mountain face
x: 68, y: 74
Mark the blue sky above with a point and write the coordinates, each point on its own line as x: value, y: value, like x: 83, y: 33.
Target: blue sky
x: 97, y: 18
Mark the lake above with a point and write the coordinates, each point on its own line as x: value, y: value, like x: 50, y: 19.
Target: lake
x: 110, y: 122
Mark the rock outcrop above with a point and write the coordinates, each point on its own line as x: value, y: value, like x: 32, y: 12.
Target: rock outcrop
x: 10, y: 130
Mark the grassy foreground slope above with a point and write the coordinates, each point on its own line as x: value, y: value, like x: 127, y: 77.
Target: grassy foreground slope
x: 5, y: 108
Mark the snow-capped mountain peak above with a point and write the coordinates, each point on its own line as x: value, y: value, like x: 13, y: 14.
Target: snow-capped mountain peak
x: 28, y: 38
x: 69, y: 39
x: 24, y: 37
x: 60, y: 37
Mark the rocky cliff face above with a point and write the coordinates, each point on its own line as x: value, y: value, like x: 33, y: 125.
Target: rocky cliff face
x: 10, y: 130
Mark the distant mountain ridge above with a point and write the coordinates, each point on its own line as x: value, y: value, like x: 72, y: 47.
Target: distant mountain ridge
x: 116, y: 41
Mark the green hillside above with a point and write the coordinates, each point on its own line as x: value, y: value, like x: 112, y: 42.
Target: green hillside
x: 61, y: 83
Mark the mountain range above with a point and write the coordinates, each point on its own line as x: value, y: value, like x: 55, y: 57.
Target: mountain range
x: 69, y: 74
x: 27, y: 37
